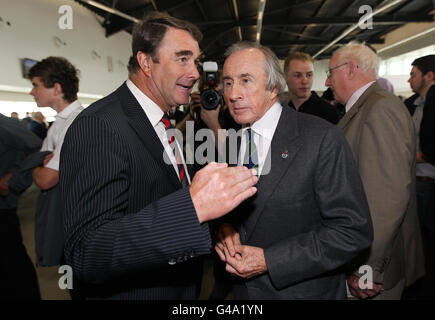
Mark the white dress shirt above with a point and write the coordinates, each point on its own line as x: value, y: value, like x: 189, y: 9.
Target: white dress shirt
x: 56, y: 133
x: 155, y: 114
x: 262, y: 133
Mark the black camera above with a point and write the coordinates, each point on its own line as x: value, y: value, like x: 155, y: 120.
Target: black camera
x: 210, y: 98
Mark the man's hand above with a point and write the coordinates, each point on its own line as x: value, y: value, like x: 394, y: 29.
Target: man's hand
x: 45, y: 178
x: 355, y: 290
x: 228, y: 238
x: 217, y: 189
x: 4, y: 187
x: 248, y: 262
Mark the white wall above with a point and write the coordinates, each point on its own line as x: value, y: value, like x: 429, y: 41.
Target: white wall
x: 33, y: 27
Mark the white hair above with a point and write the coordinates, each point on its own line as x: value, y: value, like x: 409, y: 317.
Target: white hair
x: 366, y: 59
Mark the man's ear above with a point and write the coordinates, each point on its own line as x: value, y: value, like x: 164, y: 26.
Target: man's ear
x: 145, y: 62
x: 273, y: 93
x: 57, y: 89
x: 430, y: 76
x: 352, y: 70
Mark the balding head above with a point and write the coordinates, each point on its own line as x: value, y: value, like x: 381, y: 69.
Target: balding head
x: 350, y: 68
x: 366, y: 59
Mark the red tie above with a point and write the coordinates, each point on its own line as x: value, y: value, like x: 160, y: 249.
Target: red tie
x: 168, y: 125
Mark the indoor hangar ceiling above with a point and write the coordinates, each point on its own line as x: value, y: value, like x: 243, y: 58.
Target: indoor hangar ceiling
x: 313, y: 26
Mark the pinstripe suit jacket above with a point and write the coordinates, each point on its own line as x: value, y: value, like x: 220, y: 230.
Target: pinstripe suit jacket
x: 131, y: 231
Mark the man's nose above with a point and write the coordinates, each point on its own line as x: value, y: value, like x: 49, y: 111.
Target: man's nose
x: 235, y: 92
x: 194, y: 72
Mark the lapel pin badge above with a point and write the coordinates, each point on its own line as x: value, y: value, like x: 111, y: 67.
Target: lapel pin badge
x: 284, y: 155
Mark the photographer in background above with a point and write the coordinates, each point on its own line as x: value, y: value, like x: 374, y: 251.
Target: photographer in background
x: 207, y: 110
x: 175, y: 115
x: 211, y: 113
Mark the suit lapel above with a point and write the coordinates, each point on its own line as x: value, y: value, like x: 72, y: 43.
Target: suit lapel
x: 356, y: 107
x: 145, y: 131
x: 284, y: 147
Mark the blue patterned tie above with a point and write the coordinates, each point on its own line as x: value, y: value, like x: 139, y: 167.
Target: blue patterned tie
x: 251, y: 155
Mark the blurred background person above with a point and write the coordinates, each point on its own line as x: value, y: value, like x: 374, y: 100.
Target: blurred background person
x: 18, y: 274
x: 55, y: 84
x: 422, y: 81
x: 14, y: 115
x: 38, y: 125
x: 203, y: 118
x: 215, y: 120
x: 299, y: 75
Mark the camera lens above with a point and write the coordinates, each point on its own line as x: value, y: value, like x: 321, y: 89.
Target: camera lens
x: 210, y: 99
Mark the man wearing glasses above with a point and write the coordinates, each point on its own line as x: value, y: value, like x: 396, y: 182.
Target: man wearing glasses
x: 382, y: 136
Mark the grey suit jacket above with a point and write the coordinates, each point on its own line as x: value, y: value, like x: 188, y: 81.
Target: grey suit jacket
x: 381, y: 134
x: 310, y: 214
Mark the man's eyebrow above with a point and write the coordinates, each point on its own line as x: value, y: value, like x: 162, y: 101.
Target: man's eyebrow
x: 184, y: 53
x: 243, y: 75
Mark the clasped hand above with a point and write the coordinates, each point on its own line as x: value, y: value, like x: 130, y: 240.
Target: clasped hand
x: 241, y: 260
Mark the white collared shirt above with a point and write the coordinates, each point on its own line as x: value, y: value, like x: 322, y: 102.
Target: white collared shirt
x: 262, y: 133
x: 155, y: 114
x: 56, y: 132
x: 358, y: 93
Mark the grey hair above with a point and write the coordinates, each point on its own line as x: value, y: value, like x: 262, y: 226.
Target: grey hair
x: 272, y: 68
x: 362, y: 54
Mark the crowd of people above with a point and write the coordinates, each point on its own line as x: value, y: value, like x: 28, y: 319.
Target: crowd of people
x: 322, y: 188
x: 35, y: 122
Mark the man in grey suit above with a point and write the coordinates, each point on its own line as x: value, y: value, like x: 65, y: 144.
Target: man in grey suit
x: 310, y: 215
x: 382, y: 137
x: 135, y: 224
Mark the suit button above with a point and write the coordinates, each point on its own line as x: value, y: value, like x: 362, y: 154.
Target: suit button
x: 180, y: 259
x: 192, y: 254
x: 172, y: 261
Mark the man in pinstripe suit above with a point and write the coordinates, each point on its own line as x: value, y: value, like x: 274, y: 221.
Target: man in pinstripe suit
x: 132, y: 231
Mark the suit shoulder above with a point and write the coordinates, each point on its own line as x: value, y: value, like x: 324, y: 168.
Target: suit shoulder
x: 310, y: 123
x: 383, y: 101
x: 313, y: 129
x: 101, y: 108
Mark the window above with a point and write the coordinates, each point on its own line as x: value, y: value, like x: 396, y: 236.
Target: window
x: 401, y: 65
